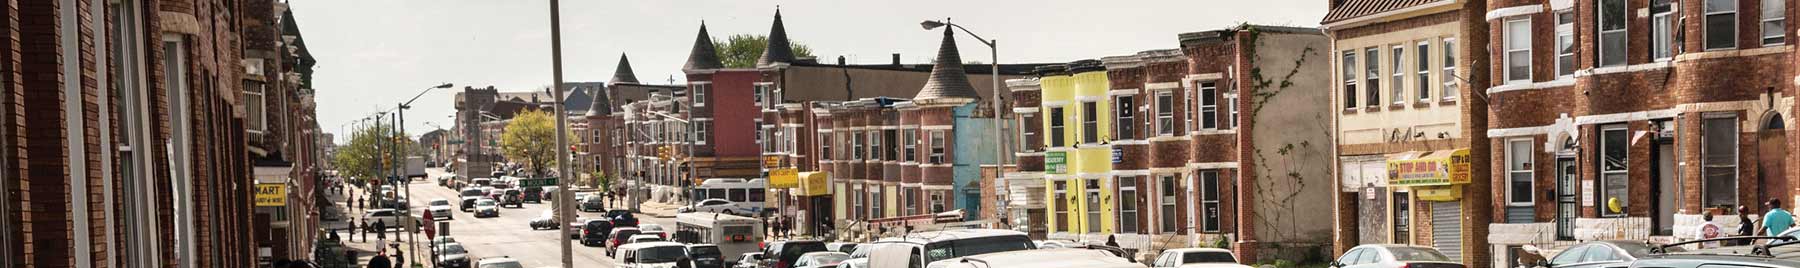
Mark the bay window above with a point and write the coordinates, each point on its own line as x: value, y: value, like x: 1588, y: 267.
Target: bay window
x: 1165, y: 117
x: 1056, y: 127
x: 1124, y: 111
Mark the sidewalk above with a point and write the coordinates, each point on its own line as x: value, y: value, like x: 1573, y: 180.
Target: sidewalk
x: 366, y: 249
x: 658, y: 210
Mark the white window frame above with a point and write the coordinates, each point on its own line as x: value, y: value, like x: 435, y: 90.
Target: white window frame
x: 1423, y: 67
x: 1059, y: 126
x: 1449, y: 84
x: 1128, y: 192
x: 1166, y: 203
x: 1090, y: 122
x: 1025, y: 134
x: 938, y: 142
x: 1192, y: 110
x: 1124, y: 112
x: 1091, y: 187
x: 701, y: 89
x: 1231, y: 104
x: 937, y: 202
x: 179, y: 144
x: 875, y: 203
x: 1165, y: 113
x: 1397, y: 81
x: 1059, y: 209
x: 257, y: 122
x: 1779, y: 36
x: 1624, y: 29
x: 1732, y: 165
x: 875, y: 153
x: 825, y: 145
x: 910, y: 138
x: 702, y: 130
x: 1604, y: 173
x: 1506, y: 58
x: 1208, y: 98
x: 1347, y: 69
x: 1372, y: 77
x: 1662, y: 47
x: 1513, y: 169
x: 1565, y: 36
x: 1735, y: 20
x: 857, y: 140
x: 1209, y: 221
x: 760, y: 94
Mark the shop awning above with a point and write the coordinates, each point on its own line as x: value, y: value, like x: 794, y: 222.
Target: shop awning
x: 814, y: 184
x: 1442, y: 167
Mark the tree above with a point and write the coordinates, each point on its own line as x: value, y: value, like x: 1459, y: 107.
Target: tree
x: 531, y: 139
x: 742, y: 50
x: 367, y: 147
x: 601, y: 181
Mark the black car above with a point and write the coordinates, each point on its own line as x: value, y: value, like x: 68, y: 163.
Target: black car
x: 783, y: 254
x: 468, y: 203
x: 593, y: 204
x: 534, y: 195
x: 594, y: 232
x: 1778, y: 254
x: 622, y: 217
x: 706, y: 256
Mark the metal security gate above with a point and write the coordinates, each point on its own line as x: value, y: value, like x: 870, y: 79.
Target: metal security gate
x: 1446, y: 228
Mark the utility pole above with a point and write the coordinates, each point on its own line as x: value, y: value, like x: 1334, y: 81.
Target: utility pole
x: 562, y: 135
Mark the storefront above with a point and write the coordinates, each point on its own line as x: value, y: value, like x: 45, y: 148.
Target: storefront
x: 1426, y: 190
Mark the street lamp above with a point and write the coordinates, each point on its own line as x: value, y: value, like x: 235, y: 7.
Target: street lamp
x: 399, y: 161
x: 994, y: 61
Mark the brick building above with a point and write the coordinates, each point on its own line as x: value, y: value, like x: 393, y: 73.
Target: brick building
x: 111, y: 105
x: 1630, y: 127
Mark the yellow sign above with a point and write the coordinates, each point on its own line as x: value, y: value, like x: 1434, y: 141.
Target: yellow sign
x: 784, y: 178
x: 815, y: 184
x: 1439, y: 193
x: 771, y: 161
x: 1438, y: 168
x: 271, y: 195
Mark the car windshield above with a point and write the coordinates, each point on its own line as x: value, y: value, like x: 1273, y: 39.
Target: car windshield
x: 976, y: 246
x: 627, y: 233
x: 660, y: 254
x: 832, y: 258
x: 704, y: 251
x: 453, y: 249
x: 510, y: 264
x: 440, y: 202
x: 1207, y: 257
x: 485, y: 202
x: 472, y: 192
x: 1417, y: 254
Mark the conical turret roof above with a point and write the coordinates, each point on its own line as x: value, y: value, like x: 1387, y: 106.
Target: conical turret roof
x: 948, y: 82
x: 602, y: 103
x: 704, y: 56
x: 623, y: 73
x: 778, y: 50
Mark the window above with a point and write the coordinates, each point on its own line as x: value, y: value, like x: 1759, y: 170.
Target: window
x: 856, y: 203
x: 875, y: 203
x: 1565, y: 44
x: 174, y: 52
x: 937, y: 146
x: 1520, y: 191
x: 1056, y: 127
x: 893, y: 150
x: 1090, y: 122
x: 1397, y: 87
x: 1721, y: 24
x: 1372, y: 74
x: 1165, y: 116
x: 768, y: 139
x: 912, y: 199
x: 1125, y: 111
x: 1774, y: 26
x: 937, y: 202
x: 1613, y: 163
x: 1231, y: 104
x: 1192, y: 111
x: 1028, y: 135
x: 1612, y: 32
x: 911, y: 140
x: 1662, y: 32
x: 702, y: 131
x: 762, y: 93
x: 255, y: 119
x: 1424, y: 70
x: 856, y: 145
x: 1093, y: 205
x: 1449, y: 69
x: 793, y: 136
x: 1402, y: 217
x: 1209, y: 106
x: 1167, y: 201
x: 1209, y: 201
x: 1349, y: 73
x: 700, y: 90
x: 1128, y: 205
x: 875, y: 146
x: 1719, y: 161
x: 1518, y: 50
x: 825, y: 146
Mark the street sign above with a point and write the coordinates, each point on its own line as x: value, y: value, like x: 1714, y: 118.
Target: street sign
x: 271, y: 195
x: 539, y: 182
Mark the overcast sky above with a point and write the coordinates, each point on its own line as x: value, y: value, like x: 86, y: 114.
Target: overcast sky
x: 374, y: 54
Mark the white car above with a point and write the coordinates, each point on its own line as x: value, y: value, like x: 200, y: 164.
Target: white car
x: 487, y: 208
x: 651, y: 227
x: 641, y: 238
x: 1197, y: 258
x: 722, y: 206
x: 1376, y: 256
x: 440, y: 208
x: 387, y: 218
x: 821, y: 259
x: 498, y: 262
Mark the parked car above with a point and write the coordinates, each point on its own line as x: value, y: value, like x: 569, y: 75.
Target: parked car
x: 1041, y: 258
x: 593, y: 204
x: 1196, y: 258
x: 576, y: 225
x: 705, y: 256
x: 547, y: 220
x: 1386, y: 256
x: 532, y: 195
x: 452, y: 255
x: 595, y: 232
x: 948, y: 244
x: 821, y: 259
x: 622, y: 217
x: 486, y: 208
x: 620, y: 236
x: 498, y: 262
x: 844, y: 247
x: 783, y: 254
x: 440, y: 208
x: 1777, y: 253
x: 387, y: 218
x: 1600, y: 254
x: 747, y: 260
x: 860, y: 257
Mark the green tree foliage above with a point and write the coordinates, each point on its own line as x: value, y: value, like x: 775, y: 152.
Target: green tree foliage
x: 367, y: 148
x: 531, y: 139
x: 742, y: 50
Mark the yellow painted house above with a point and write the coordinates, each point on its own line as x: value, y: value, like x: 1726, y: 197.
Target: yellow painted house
x: 1077, y: 161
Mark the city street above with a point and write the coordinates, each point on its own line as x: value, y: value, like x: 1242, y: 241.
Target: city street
x: 510, y: 235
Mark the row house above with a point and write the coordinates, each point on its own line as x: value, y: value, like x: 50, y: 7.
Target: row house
x: 658, y: 145
x: 112, y: 106
x: 603, y: 136
x: 1157, y: 150
x: 723, y: 117
x: 1408, y: 121
x: 1622, y: 126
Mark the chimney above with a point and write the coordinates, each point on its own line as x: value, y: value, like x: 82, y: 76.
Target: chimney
x: 840, y: 60
x: 896, y: 59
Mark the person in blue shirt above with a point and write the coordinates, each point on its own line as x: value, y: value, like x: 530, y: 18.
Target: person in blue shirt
x: 1777, y: 220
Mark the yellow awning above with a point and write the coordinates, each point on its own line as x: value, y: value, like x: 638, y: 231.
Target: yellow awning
x: 815, y: 183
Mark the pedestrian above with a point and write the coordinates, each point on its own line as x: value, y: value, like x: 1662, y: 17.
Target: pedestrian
x: 365, y: 235
x: 765, y: 224
x: 360, y: 204
x: 399, y: 257
x: 350, y: 255
x: 1708, y: 230
x: 380, y: 261
x: 1776, y: 220
x: 381, y: 229
x: 1746, y: 226
x: 1112, y: 241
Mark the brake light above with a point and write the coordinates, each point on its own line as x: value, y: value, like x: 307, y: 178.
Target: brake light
x: 1405, y: 265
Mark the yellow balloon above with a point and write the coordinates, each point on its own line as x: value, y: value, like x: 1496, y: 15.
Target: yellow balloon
x: 1613, y: 205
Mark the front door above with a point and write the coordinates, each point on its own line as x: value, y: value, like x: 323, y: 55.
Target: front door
x: 1771, y: 154
x: 1566, y: 208
x: 1664, y: 196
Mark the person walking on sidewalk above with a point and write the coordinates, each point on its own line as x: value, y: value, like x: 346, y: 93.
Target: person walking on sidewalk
x: 1777, y: 220
x: 380, y: 231
x: 366, y: 231
x: 352, y: 228
x: 399, y: 257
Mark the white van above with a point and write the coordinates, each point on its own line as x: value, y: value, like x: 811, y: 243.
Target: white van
x: 650, y: 254
x: 1040, y: 258
x: 928, y: 249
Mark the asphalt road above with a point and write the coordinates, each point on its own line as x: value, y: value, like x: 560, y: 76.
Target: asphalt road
x: 509, y: 234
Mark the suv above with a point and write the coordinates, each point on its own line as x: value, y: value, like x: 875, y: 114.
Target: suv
x: 594, y: 232
x: 512, y: 197
x: 593, y: 204
x: 386, y: 217
x: 622, y: 217
x: 533, y: 195
x: 619, y: 237
x: 705, y: 256
x: 783, y: 254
